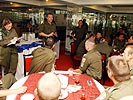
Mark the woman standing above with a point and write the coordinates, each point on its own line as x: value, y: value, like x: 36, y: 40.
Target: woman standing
x: 8, y: 50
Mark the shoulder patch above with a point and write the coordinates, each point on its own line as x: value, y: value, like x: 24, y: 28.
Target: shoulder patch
x: 82, y: 62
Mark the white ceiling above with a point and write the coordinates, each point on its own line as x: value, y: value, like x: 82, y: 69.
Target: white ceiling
x: 118, y: 6
x: 100, y: 2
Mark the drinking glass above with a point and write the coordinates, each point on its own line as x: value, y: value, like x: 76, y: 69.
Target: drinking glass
x: 70, y: 70
x: 83, y: 93
x: 77, y: 79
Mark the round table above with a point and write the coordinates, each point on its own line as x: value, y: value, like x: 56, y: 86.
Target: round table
x: 92, y: 91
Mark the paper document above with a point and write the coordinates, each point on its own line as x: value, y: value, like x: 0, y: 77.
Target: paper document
x: 14, y: 42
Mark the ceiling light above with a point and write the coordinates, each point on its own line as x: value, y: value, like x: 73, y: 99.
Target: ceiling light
x: 11, y: 3
x: 47, y: 0
x: 30, y: 9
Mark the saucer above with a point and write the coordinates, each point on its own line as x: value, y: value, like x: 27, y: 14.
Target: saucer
x: 27, y: 96
x: 63, y: 95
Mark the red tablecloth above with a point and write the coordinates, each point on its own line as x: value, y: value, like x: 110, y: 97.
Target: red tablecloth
x: 91, y: 91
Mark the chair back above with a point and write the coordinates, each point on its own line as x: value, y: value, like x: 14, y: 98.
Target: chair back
x: 27, y: 62
x: 104, y: 71
x: 103, y: 58
x: 72, y: 48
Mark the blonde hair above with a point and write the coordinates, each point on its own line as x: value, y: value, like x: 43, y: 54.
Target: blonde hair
x: 119, y: 68
x: 130, y: 52
x: 49, y: 87
x: 89, y: 45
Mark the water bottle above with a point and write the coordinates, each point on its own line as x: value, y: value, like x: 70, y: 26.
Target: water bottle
x: 0, y: 36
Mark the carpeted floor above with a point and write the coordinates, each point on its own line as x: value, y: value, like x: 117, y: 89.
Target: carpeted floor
x: 64, y: 62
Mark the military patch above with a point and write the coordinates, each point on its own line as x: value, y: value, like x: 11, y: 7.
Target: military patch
x: 82, y: 62
x: 1, y: 82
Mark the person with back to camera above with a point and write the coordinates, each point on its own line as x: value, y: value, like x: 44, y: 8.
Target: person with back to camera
x: 91, y: 63
x: 104, y: 48
x: 43, y: 57
x: 81, y: 48
x: 49, y: 87
x: 118, y: 71
x: 8, y: 53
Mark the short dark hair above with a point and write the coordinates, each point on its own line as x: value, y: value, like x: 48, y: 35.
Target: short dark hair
x: 48, y: 14
x: 128, y: 37
x: 49, y: 42
x: 91, y: 35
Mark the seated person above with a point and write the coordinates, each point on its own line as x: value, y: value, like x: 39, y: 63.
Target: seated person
x: 118, y: 71
x: 104, y: 48
x: 49, y: 87
x: 98, y: 37
x: 81, y: 48
x: 91, y: 64
x: 119, y: 44
x: 128, y: 56
x: 43, y: 57
x: 5, y: 84
x: 130, y: 39
x: 7, y: 81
